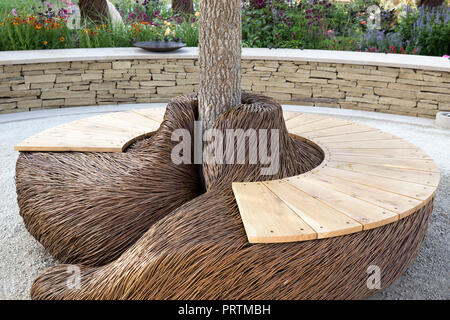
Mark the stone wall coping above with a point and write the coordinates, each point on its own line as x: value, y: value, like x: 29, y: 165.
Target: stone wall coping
x: 324, y: 56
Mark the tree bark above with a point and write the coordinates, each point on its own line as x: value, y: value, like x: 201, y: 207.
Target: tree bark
x: 93, y: 10
x: 181, y: 7
x: 220, y: 40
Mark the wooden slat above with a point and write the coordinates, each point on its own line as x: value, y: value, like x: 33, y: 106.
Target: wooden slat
x: 412, y: 164
x: 266, y: 218
x: 359, y: 136
x: 325, y: 220
x: 409, y: 189
x: 156, y: 114
x: 379, y: 144
x: 387, y: 153
x: 105, y: 133
x: 113, y: 121
x: 319, y: 125
x: 399, y: 204
x: 420, y: 177
x: 87, y: 127
x: 288, y: 115
x: 351, y: 128
x: 135, y: 118
x: 59, y: 145
x: 369, y: 215
x: 302, y: 119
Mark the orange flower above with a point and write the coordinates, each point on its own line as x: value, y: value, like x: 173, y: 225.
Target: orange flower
x: 62, y: 39
x: 1, y: 24
x: 45, y: 43
x: 37, y: 26
x: 364, y: 22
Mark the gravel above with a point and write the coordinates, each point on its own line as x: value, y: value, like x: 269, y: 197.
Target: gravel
x: 22, y: 258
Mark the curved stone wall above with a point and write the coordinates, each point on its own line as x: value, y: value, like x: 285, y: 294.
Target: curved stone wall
x: 409, y: 85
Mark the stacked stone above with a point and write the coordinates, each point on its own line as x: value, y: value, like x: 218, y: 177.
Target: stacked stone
x: 375, y: 88
x: 413, y: 92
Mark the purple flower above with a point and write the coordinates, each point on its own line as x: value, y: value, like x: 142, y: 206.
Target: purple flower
x: 14, y: 12
x: 293, y: 34
x: 48, y: 4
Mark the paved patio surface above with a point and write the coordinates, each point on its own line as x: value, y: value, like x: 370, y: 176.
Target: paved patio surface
x: 22, y: 258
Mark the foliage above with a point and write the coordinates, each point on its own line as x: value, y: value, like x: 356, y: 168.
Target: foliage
x: 187, y: 31
x: 44, y: 28
x: 426, y: 29
x: 300, y: 24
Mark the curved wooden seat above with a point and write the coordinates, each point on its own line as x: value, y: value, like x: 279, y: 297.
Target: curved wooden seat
x: 368, y: 178
x: 112, y: 132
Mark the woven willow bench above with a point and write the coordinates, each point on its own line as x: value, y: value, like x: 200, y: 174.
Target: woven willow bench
x: 368, y: 178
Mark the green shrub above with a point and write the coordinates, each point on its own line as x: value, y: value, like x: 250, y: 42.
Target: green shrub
x: 187, y: 31
x: 18, y: 32
x: 428, y: 30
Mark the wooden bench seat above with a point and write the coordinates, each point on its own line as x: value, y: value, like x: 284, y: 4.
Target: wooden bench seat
x: 112, y: 132
x: 368, y: 178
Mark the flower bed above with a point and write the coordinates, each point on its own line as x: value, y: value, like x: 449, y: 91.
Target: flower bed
x: 300, y: 24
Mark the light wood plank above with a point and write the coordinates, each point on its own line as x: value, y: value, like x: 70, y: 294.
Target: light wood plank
x: 325, y: 220
x: 399, y: 204
x: 369, y: 215
x: 359, y: 136
x: 105, y: 133
x: 75, y: 145
x: 135, y: 118
x: 113, y: 121
x: 379, y: 144
x: 351, y: 128
x: 303, y: 119
x: 156, y: 114
x: 409, y: 189
x: 387, y: 153
x: 288, y: 115
x: 86, y: 127
x: 266, y: 218
x: 411, y: 164
x: 319, y: 125
x: 421, y: 177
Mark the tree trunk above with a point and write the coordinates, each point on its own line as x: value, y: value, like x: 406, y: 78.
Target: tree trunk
x: 220, y: 39
x: 181, y: 7
x: 93, y: 10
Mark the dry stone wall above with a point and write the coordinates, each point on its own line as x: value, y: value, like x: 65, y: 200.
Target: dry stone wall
x: 414, y: 92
